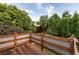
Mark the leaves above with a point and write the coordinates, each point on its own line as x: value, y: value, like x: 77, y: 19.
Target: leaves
x: 64, y: 26
x: 14, y: 18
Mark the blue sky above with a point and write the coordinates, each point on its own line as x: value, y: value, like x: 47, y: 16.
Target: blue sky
x: 35, y: 10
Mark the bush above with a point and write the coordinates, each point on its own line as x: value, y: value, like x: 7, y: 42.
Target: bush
x: 6, y: 29
x: 16, y: 29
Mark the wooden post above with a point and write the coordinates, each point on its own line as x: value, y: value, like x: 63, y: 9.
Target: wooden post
x: 30, y: 36
x: 42, y: 40
x: 15, y: 44
x: 71, y: 46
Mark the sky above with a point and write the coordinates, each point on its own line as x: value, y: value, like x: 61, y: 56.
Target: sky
x: 35, y: 10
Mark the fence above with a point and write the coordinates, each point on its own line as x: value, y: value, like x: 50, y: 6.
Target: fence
x: 75, y: 46
x: 58, y: 45
x: 53, y: 43
x: 13, y: 40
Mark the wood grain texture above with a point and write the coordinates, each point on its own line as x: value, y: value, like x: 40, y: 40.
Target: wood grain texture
x: 54, y: 44
x: 27, y: 49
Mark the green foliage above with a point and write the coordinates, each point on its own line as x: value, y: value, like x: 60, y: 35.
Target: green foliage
x: 53, y: 24
x: 43, y: 22
x: 14, y: 18
x: 77, y: 43
x: 6, y: 29
x: 64, y: 26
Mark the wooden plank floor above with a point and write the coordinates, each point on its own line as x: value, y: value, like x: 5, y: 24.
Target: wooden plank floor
x: 27, y: 49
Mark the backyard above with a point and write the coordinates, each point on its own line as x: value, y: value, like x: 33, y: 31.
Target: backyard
x: 53, y: 34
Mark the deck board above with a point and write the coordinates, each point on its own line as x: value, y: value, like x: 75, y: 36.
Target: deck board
x: 13, y: 52
x: 21, y: 51
x: 27, y: 49
x: 35, y: 49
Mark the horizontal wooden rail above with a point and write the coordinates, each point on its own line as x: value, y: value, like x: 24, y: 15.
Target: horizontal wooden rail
x: 37, y: 34
x: 48, y: 48
x: 59, y: 46
x: 21, y: 34
x: 6, y: 35
x: 7, y: 41
x: 53, y: 44
x: 58, y: 38
x: 11, y: 46
x: 9, y: 35
x: 15, y: 40
x: 53, y: 37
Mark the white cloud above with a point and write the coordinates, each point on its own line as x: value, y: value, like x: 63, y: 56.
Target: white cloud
x: 73, y: 11
x: 29, y: 11
x: 35, y: 18
x: 39, y: 5
x: 50, y: 10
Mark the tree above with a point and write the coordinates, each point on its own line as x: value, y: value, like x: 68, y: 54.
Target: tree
x: 43, y: 22
x: 12, y: 17
x: 75, y: 25
x: 65, y: 26
x: 53, y: 24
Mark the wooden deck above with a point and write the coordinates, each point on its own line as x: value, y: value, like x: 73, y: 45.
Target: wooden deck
x: 27, y: 49
x: 53, y: 44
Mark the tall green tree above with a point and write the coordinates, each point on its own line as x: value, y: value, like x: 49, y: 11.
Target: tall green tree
x: 43, y: 22
x: 53, y: 24
x: 65, y: 26
x: 75, y: 25
x: 13, y: 18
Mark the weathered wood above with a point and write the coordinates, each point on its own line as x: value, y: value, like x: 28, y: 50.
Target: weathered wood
x: 7, y: 41
x: 75, y: 47
x: 20, y: 51
x: 30, y: 36
x: 18, y: 34
x: 35, y: 49
x: 28, y: 49
x: 53, y: 44
x: 59, y: 46
x: 71, y: 46
x: 49, y: 49
x: 15, y: 41
x: 8, y: 35
x: 13, y: 52
x: 42, y: 40
x: 12, y: 46
x: 58, y: 38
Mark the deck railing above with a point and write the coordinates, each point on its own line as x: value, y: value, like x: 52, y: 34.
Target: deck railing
x: 13, y: 40
x: 75, y: 46
x: 59, y: 45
